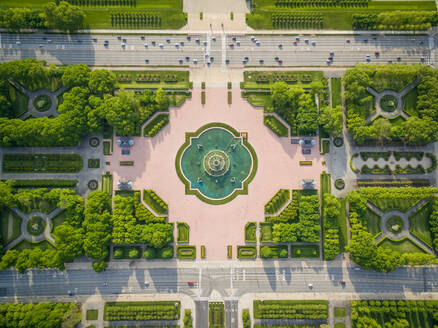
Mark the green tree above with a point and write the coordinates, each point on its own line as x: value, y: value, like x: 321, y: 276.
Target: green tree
x: 64, y: 16
x: 280, y: 94
x: 9, y: 259
x: 331, y: 119
x: 102, y: 82
x: 69, y: 241
x: 76, y: 75
x: 100, y: 266
x: 382, y: 126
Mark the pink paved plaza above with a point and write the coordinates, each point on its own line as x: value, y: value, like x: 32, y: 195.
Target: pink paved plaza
x: 215, y: 226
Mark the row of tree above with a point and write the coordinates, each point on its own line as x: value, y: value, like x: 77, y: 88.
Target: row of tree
x: 395, y: 20
x: 62, y: 16
x: 331, y: 230
x: 85, y: 108
x: 40, y: 315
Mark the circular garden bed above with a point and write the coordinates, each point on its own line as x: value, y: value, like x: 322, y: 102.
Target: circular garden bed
x: 42, y: 103
x: 94, y: 142
x: 36, y: 225
x: 93, y: 184
x: 338, y: 141
x: 394, y: 224
x: 388, y: 103
x: 339, y: 184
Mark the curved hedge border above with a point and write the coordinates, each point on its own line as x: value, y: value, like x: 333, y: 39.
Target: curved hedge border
x: 248, y: 227
x: 236, y: 192
x: 186, y: 252
x: 246, y: 252
x: 339, y: 184
x: 351, y: 163
x: 338, y: 142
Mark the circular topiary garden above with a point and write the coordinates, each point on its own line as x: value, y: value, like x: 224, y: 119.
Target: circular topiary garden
x: 388, y: 103
x: 42, y: 103
x: 93, y: 184
x: 94, y: 142
x: 36, y: 225
x: 338, y: 141
x: 394, y: 224
x: 339, y: 184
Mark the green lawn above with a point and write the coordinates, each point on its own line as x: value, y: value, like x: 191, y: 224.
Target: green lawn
x: 386, y: 204
x: 342, y: 222
x: 92, y: 314
x: 410, y: 102
x: 183, y: 232
x: 259, y: 99
x: 216, y: 315
x: 373, y: 222
x: 98, y: 17
x: 325, y: 184
x: 419, y: 222
x: 339, y: 312
x: 339, y: 325
x: 265, y: 232
x: 336, y: 91
x: 19, y: 101
x: 337, y: 18
x: 107, y: 183
x: 28, y: 245
x: 325, y: 146
x: 16, y: 225
x: 42, y: 163
x: 298, y: 251
x: 402, y: 246
x: 57, y: 221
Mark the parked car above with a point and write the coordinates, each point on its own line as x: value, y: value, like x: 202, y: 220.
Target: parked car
x: 191, y: 283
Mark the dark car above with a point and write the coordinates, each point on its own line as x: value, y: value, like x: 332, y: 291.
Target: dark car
x: 306, y: 151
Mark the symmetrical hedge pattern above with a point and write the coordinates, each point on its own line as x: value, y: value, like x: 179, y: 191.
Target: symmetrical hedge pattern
x: 306, y: 20
x: 160, y: 310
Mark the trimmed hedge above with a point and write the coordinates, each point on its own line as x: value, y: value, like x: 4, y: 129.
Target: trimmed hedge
x: 183, y: 232
x: 154, y: 126
x: 305, y: 163
x: 156, y: 310
x: 127, y: 252
x: 277, y: 201
x: 93, y: 163
x: 186, y: 252
x: 40, y: 183
x: 275, y: 126
x: 229, y: 252
x: 203, y: 253
x: 246, y: 252
x: 155, y: 202
x: 127, y: 163
x: 393, y: 183
x: 250, y: 232
x: 275, y: 309
x: 42, y: 163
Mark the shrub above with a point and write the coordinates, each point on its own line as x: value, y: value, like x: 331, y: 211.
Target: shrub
x: 118, y: 253
x: 166, y: 252
x: 156, y: 310
x: 246, y: 318
x: 150, y: 253
x: 339, y: 184
x: 186, y: 252
x: 277, y: 201
x: 246, y: 252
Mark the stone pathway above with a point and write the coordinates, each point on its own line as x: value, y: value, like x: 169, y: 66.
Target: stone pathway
x: 398, y: 95
x: 405, y: 233
x: 31, y: 110
x: 358, y: 162
x: 25, y: 234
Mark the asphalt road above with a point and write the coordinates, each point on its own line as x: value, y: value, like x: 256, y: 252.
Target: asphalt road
x: 219, y: 50
x: 288, y: 277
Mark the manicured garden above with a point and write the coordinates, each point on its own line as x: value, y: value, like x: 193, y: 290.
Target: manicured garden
x: 419, y: 224
x: 186, y: 252
x: 154, y: 80
x: 418, y: 129
x: 155, y: 202
x: 154, y: 126
x: 216, y: 315
x: 336, y: 85
x: 92, y: 314
x: 107, y: 183
x: 275, y: 125
x: 127, y: 252
x: 7, y: 217
x: 41, y: 163
x: 277, y: 201
x: 156, y: 310
x: 250, y: 232
x: 36, y: 225
x: 42, y: 103
x: 246, y: 252
x: 304, y: 251
x: 183, y: 232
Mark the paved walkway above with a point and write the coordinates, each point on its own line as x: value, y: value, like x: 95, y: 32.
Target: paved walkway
x: 405, y: 232
x: 215, y: 226
x: 398, y: 95
x: 31, y: 111
x: 25, y: 234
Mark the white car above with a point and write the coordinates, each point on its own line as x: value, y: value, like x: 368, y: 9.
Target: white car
x: 18, y: 43
x: 195, y: 61
x: 146, y: 45
x: 310, y: 286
